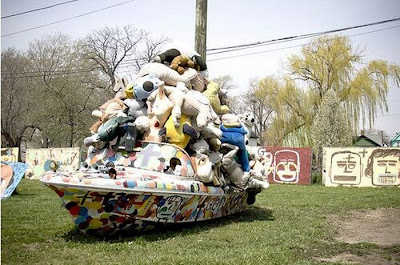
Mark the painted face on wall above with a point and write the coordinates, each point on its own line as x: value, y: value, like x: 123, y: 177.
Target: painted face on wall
x: 386, y: 170
x: 346, y: 168
x: 287, y: 166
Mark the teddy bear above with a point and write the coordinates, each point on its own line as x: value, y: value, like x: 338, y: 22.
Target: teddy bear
x: 233, y: 133
x: 212, y: 94
x: 112, y: 108
x: 158, y: 110
x: 136, y: 108
x: 166, y: 74
x: 180, y: 63
x: 257, y: 169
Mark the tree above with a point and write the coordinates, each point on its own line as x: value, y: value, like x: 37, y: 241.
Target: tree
x: 111, y: 49
x: 66, y: 89
x: 331, y: 126
x: 330, y: 63
x: 15, y: 105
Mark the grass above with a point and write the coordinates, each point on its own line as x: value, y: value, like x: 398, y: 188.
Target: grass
x: 287, y: 225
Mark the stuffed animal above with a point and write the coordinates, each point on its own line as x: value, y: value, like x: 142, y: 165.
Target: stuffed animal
x: 257, y: 169
x: 112, y: 129
x: 179, y: 63
x: 206, y: 164
x: 158, y: 110
x: 240, y: 179
x: 167, y: 56
x: 193, y: 103
x: 136, y: 108
x: 199, y: 83
x: 248, y: 123
x: 235, y: 135
x: 144, y: 86
x: 120, y: 84
x: 166, y: 74
x: 112, y: 108
x: 181, y: 135
x: 212, y: 94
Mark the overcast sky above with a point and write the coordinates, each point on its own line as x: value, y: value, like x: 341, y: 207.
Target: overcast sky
x: 230, y: 23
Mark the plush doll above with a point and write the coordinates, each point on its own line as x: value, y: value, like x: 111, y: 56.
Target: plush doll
x: 181, y: 135
x: 257, y: 170
x: 199, y: 83
x: 233, y: 133
x: 193, y: 103
x: 120, y: 84
x: 136, y: 108
x: 212, y: 94
x: 240, y: 179
x: 179, y: 63
x: 158, y: 110
x: 144, y: 86
x: 206, y: 164
x: 114, y: 128
x: 248, y: 123
x: 166, y: 74
x: 167, y: 56
x: 112, y: 108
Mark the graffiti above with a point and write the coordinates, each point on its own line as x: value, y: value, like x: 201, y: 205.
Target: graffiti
x: 286, y: 165
x: 365, y: 167
x: 346, y: 168
x: 9, y: 154
x: 42, y: 160
x: 94, y: 211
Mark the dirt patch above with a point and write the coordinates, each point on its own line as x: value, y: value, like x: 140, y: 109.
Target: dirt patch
x: 380, y: 227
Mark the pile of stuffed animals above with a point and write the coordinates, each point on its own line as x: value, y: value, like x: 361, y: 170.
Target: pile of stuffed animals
x: 172, y: 100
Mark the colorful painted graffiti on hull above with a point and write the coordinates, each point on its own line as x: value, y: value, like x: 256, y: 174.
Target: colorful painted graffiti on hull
x: 109, y: 212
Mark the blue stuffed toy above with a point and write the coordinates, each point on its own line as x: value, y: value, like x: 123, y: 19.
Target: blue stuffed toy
x: 235, y: 136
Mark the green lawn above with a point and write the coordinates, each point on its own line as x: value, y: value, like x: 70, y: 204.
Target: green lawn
x: 287, y: 225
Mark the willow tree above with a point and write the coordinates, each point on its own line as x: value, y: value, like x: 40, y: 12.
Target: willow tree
x: 330, y: 63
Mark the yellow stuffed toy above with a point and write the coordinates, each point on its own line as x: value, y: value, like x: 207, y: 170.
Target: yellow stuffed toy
x: 180, y: 63
x: 182, y: 134
x: 212, y: 94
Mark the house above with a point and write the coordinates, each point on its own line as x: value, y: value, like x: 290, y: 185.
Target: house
x: 395, y: 142
x: 369, y: 140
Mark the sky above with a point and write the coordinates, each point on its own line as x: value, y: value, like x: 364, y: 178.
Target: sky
x: 229, y: 23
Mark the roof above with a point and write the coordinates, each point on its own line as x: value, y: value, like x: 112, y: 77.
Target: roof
x: 365, y: 141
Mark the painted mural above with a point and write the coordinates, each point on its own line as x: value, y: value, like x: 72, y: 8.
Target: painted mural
x: 11, y: 175
x: 47, y: 159
x: 286, y: 165
x: 364, y: 167
x: 9, y: 154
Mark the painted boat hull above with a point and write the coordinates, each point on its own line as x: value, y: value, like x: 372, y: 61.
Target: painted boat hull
x: 102, y: 206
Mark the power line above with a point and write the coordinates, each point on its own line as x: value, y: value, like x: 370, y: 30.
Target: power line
x: 308, y: 35
x: 295, y: 46
x: 38, y: 9
x: 63, y: 20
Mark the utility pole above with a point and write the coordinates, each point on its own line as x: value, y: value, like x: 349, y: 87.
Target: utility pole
x: 200, y: 38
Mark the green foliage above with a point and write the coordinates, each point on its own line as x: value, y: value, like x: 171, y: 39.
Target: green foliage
x: 327, y: 64
x: 289, y: 224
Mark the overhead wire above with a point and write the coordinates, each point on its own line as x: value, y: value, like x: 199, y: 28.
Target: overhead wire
x: 38, y: 9
x: 66, y: 19
x: 305, y: 35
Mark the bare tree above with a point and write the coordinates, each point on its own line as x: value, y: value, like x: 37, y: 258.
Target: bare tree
x: 112, y: 49
x: 15, y: 106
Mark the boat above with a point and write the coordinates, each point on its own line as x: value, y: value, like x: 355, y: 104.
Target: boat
x: 116, y: 191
